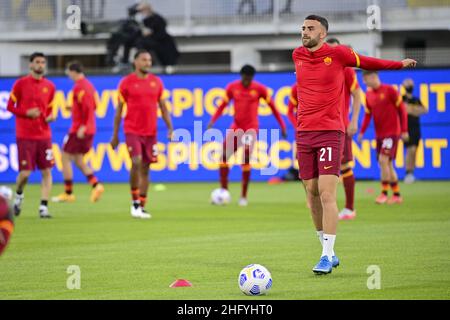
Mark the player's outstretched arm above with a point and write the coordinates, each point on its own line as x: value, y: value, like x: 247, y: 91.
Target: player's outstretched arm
x: 352, y: 59
x: 117, y: 119
x: 166, y: 117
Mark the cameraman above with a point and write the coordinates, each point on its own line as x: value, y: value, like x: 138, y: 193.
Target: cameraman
x: 155, y: 37
x: 128, y: 34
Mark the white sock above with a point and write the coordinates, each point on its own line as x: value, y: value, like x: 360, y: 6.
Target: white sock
x: 320, y: 235
x: 328, y: 245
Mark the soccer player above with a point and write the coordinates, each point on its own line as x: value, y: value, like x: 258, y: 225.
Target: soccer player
x: 6, y: 217
x: 390, y: 118
x: 351, y: 127
x: 31, y: 103
x: 321, y: 129
x: 246, y: 94
x: 81, y: 135
x: 142, y: 92
x: 415, y: 109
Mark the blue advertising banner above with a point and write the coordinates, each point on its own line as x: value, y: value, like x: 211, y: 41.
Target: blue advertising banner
x: 192, y: 100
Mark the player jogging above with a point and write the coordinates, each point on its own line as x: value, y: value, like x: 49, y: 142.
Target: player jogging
x: 81, y: 135
x: 390, y: 119
x: 352, y: 90
x: 321, y: 129
x: 142, y: 92
x: 246, y: 94
x: 31, y: 103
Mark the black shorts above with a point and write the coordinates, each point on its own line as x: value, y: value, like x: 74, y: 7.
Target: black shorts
x: 414, y: 137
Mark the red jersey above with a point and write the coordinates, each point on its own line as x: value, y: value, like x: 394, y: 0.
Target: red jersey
x: 83, y: 106
x: 351, y: 84
x: 142, y: 97
x: 292, y: 105
x: 386, y: 106
x: 246, y: 104
x: 29, y: 93
x: 321, y: 84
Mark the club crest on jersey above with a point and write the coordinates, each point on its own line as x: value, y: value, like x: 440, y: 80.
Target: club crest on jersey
x: 253, y: 93
x: 327, y: 61
x: 381, y: 96
x: 152, y: 84
x: 45, y: 90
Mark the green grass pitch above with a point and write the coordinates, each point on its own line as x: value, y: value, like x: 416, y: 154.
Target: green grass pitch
x: 123, y: 258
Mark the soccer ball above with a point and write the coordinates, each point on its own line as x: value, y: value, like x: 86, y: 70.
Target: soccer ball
x: 220, y: 197
x: 255, y: 280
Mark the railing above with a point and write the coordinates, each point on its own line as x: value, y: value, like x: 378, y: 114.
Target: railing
x: 50, y: 15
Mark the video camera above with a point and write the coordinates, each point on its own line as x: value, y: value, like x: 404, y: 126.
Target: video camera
x: 129, y: 25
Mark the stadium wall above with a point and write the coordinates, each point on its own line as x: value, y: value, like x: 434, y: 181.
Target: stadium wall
x: 193, y: 99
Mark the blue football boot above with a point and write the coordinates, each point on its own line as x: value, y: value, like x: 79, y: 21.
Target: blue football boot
x: 324, y: 266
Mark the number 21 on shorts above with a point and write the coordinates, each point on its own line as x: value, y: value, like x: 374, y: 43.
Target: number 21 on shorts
x: 325, y: 154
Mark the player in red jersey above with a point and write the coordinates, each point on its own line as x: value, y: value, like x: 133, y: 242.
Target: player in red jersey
x: 81, y: 134
x: 246, y: 94
x: 6, y: 217
x: 353, y: 91
x: 31, y: 103
x: 142, y: 92
x: 390, y: 118
x: 321, y: 129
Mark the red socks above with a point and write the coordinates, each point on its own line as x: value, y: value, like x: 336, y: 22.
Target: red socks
x: 224, y: 170
x: 68, y: 186
x: 246, y: 170
x: 348, y: 180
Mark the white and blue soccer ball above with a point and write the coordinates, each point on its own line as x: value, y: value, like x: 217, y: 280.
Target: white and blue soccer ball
x: 255, y: 280
x: 220, y: 197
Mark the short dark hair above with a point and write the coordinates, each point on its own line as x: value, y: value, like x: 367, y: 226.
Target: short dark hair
x: 35, y: 55
x: 367, y: 72
x: 322, y: 20
x: 139, y: 52
x: 333, y: 41
x: 75, y: 66
x: 248, y: 70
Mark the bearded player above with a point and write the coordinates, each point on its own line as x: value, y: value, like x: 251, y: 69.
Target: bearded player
x: 81, y: 135
x: 142, y: 92
x: 246, y: 94
x: 390, y: 118
x: 31, y: 102
x: 320, y: 72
